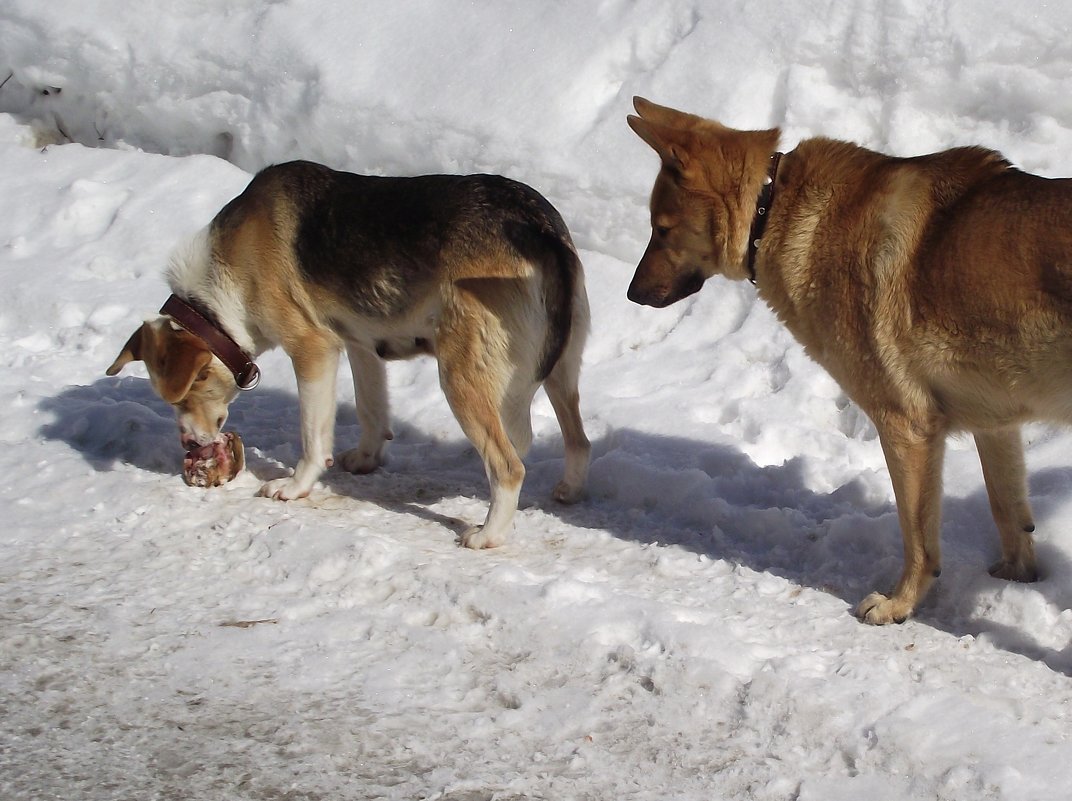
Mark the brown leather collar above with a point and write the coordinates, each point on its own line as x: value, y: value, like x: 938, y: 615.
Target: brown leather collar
x: 763, y: 207
x: 199, y: 321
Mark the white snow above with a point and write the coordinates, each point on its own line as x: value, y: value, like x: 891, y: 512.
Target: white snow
x: 685, y: 633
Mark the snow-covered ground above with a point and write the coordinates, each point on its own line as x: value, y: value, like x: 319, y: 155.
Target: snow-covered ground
x: 685, y: 633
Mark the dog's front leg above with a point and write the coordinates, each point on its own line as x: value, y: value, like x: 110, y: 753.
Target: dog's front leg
x: 915, y: 464
x: 316, y: 373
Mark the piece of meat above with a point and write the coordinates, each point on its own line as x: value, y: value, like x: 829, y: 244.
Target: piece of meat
x: 214, y: 464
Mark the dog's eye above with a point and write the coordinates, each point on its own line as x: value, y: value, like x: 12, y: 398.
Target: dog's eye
x: 662, y: 231
x: 202, y: 376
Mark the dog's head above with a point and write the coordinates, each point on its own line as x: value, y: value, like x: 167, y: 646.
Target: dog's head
x: 702, y: 204
x: 186, y: 374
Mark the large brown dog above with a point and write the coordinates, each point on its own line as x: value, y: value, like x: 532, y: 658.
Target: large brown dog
x: 936, y: 290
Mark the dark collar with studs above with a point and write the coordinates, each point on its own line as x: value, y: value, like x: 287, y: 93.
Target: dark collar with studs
x: 763, y: 207
x: 196, y: 319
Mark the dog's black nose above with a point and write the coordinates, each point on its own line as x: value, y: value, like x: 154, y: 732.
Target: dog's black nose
x: 647, y: 296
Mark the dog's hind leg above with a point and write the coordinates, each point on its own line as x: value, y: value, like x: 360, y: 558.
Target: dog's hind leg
x: 478, y: 416
x: 915, y: 464
x: 474, y: 379
x: 562, y: 391
x: 370, y: 397
x: 516, y: 415
x: 1002, y: 455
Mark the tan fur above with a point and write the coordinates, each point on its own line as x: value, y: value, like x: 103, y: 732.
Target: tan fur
x: 936, y: 290
x: 176, y: 358
x: 482, y: 314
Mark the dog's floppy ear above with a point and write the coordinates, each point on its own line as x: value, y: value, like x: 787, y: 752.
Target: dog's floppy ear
x: 173, y: 357
x: 176, y: 365
x: 131, y: 351
x: 666, y: 141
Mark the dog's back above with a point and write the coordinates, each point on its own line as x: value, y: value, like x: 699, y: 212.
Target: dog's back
x: 993, y: 302
x: 381, y: 246
x: 965, y: 299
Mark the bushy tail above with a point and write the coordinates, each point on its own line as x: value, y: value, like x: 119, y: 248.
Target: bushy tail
x: 561, y: 279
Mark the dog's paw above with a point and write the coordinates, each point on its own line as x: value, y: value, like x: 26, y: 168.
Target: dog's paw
x: 567, y: 493
x: 477, y: 537
x: 1014, y: 571
x: 360, y: 460
x: 879, y: 610
x: 284, y: 489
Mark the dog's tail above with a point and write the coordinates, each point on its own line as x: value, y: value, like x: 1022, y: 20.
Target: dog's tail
x: 538, y: 233
x: 563, y: 295
x: 545, y: 242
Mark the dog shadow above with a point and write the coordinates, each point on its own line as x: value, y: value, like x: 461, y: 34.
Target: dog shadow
x: 969, y: 526
x: 706, y: 498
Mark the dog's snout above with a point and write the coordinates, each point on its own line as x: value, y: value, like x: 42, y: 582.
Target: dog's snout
x: 636, y: 295
x: 192, y: 435
x: 647, y: 295
x: 661, y: 291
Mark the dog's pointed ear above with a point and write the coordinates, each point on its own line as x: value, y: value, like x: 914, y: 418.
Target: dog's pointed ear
x: 670, y: 117
x: 653, y: 112
x: 131, y: 351
x: 667, y: 142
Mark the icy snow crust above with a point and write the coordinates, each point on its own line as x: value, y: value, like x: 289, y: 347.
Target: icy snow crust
x: 685, y: 633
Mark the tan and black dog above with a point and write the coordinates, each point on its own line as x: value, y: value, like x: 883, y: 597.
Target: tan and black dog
x: 937, y: 291
x: 478, y: 270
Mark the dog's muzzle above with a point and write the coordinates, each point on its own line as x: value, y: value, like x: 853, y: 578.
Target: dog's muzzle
x: 662, y: 295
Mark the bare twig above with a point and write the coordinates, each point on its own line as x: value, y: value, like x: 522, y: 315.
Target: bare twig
x: 59, y: 127
x: 246, y: 624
